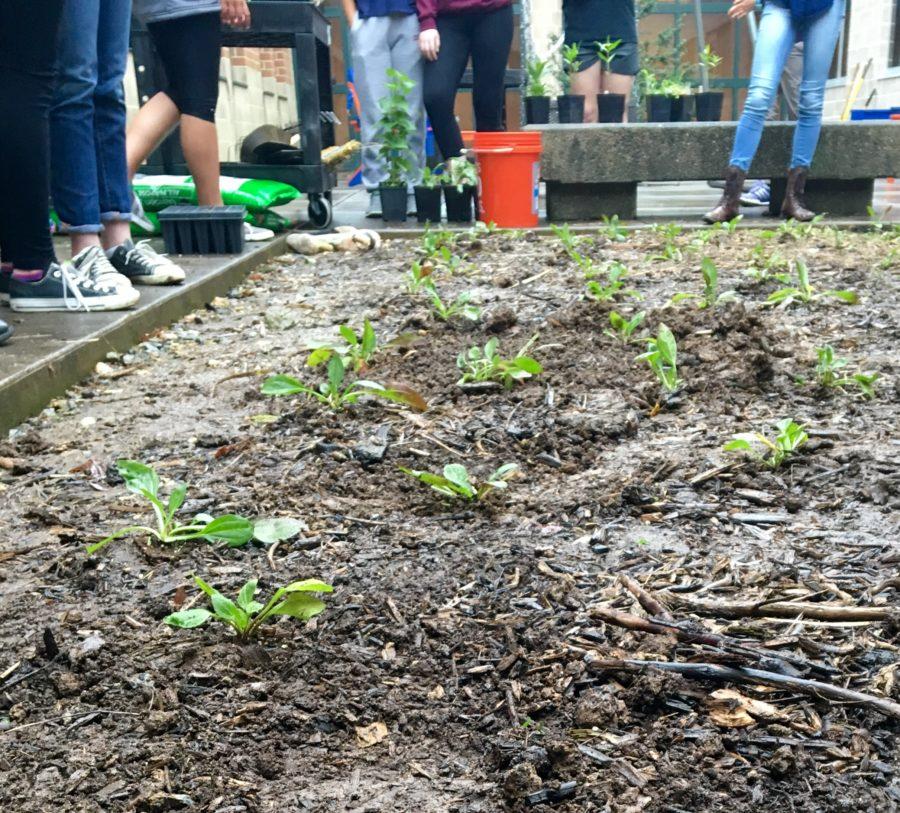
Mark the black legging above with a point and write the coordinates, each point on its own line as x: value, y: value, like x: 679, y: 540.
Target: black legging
x: 27, y: 50
x: 487, y: 38
x: 189, y: 49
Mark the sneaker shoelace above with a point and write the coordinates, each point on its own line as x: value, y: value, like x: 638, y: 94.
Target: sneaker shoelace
x: 72, y: 283
x: 146, y: 256
x: 95, y: 265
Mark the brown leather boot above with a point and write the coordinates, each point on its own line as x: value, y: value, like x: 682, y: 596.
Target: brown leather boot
x: 729, y: 207
x: 793, y: 206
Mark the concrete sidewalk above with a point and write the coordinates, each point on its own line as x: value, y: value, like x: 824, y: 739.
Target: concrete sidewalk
x: 50, y: 352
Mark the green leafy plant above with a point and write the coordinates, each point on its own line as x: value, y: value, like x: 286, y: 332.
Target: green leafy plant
x: 606, y: 51
x: 569, y: 240
x: 571, y: 64
x: 622, y: 328
x: 670, y: 233
x: 770, y: 452
x: 431, y: 177
x: 604, y: 290
x: 456, y: 483
x: 829, y: 373
x: 711, y: 296
x: 662, y: 358
x: 486, y: 364
x: 447, y: 311
x: 613, y: 230
x: 246, y: 615
x: 433, y: 240
x: 336, y: 392
x: 768, y: 264
x: 419, y: 276
x: 461, y: 172
x: 359, y: 350
x: 708, y: 59
x: 536, y: 70
x: 143, y: 480
x: 395, y: 128
x: 804, y: 292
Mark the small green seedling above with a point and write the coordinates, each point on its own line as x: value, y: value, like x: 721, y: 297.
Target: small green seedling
x: 606, y: 51
x: 143, y: 480
x: 570, y: 241
x: 358, y: 352
x: 766, y: 264
x: 711, y: 296
x: 447, y: 311
x: 669, y: 233
x: 571, y: 64
x: 486, y: 364
x: 613, y: 230
x: 614, y: 285
x: 431, y: 176
x: 433, y: 240
x: 461, y: 172
x: 456, y: 483
x: 246, y: 615
x: 770, y: 453
x: 622, y: 328
x: 336, y: 393
x: 419, y: 276
x: 828, y: 373
x: 536, y: 70
x: 662, y: 357
x: 797, y: 230
x: 804, y: 292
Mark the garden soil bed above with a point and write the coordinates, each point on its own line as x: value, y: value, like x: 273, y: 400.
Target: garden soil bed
x: 463, y: 661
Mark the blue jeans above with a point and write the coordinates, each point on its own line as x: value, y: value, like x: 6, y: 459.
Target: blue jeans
x: 778, y: 32
x: 89, y: 174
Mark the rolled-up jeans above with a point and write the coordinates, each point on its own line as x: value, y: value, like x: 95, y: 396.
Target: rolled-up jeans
x: 778, y: 32
x: 89, y: 173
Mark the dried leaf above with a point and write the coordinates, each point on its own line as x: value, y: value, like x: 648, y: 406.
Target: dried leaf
x: 730, y: 709
x: 369, y: 735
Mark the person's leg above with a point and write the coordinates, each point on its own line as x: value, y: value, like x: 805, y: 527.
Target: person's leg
x: 588, y: 83
x: 73, y: 158
x: 406, y: 58
x: 371, y: 57
x: 441, y: 80
x: 790, y: 80
x: 113, y: 187
x: 491, y: 42
x: 147, y: 129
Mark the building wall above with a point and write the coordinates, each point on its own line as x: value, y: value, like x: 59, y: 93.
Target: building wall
x: 869, y: 36
x: 255, y: 87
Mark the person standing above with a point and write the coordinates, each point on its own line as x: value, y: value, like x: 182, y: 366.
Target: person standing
x: 589, y: 22
x: 783, y: 22
x: 452, y: 31
x: 383, y: 35
x: 31, y: 278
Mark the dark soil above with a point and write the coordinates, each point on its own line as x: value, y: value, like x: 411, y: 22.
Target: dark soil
x: 464, y: 629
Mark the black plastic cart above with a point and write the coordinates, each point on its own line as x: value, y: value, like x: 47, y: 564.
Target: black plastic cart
x: 294, y: 24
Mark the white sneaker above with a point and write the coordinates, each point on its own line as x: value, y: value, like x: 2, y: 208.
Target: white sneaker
x: 92, y: 263
x: 256, y: 234
x: 64, y: 288
x: 144, y: 265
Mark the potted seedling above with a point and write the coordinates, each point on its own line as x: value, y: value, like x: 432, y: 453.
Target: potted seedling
x: 460, y: 180
x: 709, y: 102
x: 610, y: 106
x: 570, y: 108
x: 659, y: 104
x: 678, y: 89
x: 428, y: 196
x: 537, y: 102
x: 395, y: 131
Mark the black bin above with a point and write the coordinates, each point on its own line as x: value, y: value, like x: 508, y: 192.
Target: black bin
x: 203, y: 229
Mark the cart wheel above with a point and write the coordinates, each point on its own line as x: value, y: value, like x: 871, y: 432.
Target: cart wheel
x: 320, y: 212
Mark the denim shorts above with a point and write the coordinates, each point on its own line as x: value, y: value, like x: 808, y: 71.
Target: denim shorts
x: 625, y: 60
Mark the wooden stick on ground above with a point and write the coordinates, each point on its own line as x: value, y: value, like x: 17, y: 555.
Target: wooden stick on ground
x: 781, y: 609
x: 709, y: 671
x: 649, y: 602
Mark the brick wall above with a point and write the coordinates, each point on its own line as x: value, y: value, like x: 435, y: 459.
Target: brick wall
x: 871, y: 24
x: 255, y: 87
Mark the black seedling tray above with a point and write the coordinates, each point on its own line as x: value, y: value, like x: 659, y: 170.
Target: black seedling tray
x: 203, y: 229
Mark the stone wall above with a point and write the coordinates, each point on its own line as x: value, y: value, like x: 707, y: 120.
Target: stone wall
x: 255, y: 87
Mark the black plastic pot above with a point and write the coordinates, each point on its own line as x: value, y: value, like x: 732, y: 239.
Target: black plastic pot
x: 393, y: 203
x: 459, y: 203
x: 570, y: 109
x: 537, y: 109
x: 709, y: 105
x: 659, y: 107
x: 428, y: 204
x: 682, y: 107
x: 610, y: 108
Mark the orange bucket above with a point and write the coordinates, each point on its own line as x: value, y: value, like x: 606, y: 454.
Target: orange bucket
x: 509, y: 173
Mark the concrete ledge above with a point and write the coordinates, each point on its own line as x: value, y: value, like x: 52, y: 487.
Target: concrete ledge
x: 52, y: 351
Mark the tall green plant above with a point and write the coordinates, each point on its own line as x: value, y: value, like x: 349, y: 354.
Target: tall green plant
x: 396, y: 128
x: 571, y: 64
x: 536, y: 70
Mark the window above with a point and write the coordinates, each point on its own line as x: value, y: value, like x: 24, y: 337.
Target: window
x: 894, y: 53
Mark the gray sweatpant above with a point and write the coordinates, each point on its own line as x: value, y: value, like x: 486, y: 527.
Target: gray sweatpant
x: 791, y: 77
x: 376, y: 44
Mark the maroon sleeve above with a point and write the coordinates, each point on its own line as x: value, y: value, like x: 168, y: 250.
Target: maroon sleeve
x: 427, y: 11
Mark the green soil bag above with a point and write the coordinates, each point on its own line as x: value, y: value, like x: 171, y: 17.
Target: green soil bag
x: 271, y: 220
x: 156, y: 192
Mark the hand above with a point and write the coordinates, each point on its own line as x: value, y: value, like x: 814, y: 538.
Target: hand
x: 741, y: 8
x: 236, y: 13
x: 430, y: 43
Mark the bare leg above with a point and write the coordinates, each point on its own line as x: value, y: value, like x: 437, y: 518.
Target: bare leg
x: 200, y: 146
x: 618, y: 83
x: 115, y: 232
x: 587, y: 83
x: 152, y: 123
x: 81, y: 241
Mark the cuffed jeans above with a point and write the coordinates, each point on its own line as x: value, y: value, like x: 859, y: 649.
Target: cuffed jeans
x: 379, y: 43
x: 778, y: 32
x: 89, y: 174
